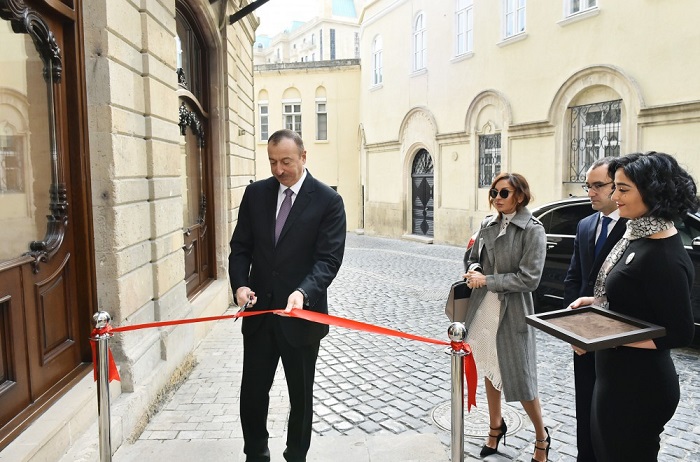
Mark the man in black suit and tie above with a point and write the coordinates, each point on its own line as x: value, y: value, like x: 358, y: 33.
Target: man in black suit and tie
x: 596, y: 235
x: 286, y: 250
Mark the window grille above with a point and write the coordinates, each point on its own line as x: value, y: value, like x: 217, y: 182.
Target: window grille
x: 595, y: 133
x: 489, y: 158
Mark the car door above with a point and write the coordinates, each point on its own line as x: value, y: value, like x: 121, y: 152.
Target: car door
x: 689, y: 230
x: 560, y: 225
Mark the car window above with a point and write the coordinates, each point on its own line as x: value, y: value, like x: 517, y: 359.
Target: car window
x: 689, y: 229
x: 563, y: 220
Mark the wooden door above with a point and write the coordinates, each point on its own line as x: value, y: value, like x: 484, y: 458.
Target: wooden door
x: 44, y: 210
x: 196, y: 153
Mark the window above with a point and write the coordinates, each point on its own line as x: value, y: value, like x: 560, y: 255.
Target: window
x: 489, y: 158
x: 264, y: 122
x: 292, y: 116
x: 577, y: 6
x: 332, y: 43
x: 320, y: 44
x: 11, y: 165
x: 464, y: 25
x: 595, y: 133
x: 357, y: 45
x: 377, y: 60
x: 321, y: 121
x: 419, y: 44
x: 514, y: 19
x: 563, y: 220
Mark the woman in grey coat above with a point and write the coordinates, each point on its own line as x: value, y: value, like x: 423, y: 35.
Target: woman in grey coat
x: 510, y: 249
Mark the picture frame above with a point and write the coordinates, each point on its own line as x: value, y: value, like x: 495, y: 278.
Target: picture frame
x: 594, y: 328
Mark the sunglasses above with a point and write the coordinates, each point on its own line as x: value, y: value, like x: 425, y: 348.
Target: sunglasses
x: 504, y: 193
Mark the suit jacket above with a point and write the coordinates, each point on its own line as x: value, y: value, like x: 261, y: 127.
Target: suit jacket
x: 308, y: 254
x: 583, y: 270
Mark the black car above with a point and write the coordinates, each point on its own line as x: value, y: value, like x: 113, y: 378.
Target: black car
x: 560, y: 219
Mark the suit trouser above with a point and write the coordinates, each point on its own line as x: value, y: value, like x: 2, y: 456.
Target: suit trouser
x: 262, y: 351
x: 584, y: 380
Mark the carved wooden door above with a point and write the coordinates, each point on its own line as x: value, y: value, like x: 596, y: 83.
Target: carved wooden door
x: 44, y: 318
x: 195, y: 152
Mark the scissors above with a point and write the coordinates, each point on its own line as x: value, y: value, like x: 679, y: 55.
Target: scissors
x: 244, y: 307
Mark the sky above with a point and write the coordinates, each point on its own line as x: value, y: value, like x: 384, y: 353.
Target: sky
x: 277, y: 15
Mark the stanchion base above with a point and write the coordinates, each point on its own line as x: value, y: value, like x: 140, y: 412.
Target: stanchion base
x: 476, y: 422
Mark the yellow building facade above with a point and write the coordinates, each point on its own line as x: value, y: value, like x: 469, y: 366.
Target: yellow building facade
x: 452, y: 92
x: 319, y: 100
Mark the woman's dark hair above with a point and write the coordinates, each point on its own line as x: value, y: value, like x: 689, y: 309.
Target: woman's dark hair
x: 523, y: 196
x: 666, y: 188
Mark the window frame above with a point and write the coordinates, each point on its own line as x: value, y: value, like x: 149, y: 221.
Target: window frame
x: 581, y: 157
x: 420, y: 48
x: 515, y: 10
x: 494, y: 153
x: 377, y: 58
x: 319, y: 116
x: 569, y: 7
x: 464, y: 27
x: 294, y: 116
x: 264, y: 120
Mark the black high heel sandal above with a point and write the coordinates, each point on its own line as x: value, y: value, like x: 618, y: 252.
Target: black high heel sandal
x: 488, y: 450
x: 548, y: 440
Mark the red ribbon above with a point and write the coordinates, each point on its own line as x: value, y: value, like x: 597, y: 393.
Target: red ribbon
x: 113, y: 371
x: 469, y: 364
x: 469, y: 371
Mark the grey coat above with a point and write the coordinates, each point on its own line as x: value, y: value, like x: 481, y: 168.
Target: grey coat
x: 519, y: 256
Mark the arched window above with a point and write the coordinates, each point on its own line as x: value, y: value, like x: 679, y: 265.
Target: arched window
x: 419, y: 42
x: 377, y: 60
x: 195, y: 152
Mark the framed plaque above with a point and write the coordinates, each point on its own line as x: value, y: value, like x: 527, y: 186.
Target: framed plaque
x: 593, y: 328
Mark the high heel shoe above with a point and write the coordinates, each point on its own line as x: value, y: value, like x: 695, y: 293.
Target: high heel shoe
x: 488, y: 450
x: 548, y: 440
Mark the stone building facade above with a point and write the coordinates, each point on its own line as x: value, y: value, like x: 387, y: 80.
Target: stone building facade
x: 152, y: 106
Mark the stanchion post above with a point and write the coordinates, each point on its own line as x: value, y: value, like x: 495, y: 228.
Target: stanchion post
x: 102, y: 319
x: 457, y: 333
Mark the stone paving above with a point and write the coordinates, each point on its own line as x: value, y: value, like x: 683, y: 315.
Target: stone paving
x: 369, y: 384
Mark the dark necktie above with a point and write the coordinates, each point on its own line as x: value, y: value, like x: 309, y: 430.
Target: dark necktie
x: 603, y: 235
x: 283, y: 213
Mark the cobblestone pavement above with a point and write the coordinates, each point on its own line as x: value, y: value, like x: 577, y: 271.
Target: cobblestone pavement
x: 372, y: 384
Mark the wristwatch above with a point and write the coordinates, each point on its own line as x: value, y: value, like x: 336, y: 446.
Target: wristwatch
x: 305, y: 295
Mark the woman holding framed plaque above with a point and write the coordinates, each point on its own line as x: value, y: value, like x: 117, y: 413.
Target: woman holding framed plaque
x: 510, y: 247
x: 648, y: 275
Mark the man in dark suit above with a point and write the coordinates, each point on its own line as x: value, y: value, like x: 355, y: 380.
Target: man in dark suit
x: 591, y: 246
x: 286, y: 249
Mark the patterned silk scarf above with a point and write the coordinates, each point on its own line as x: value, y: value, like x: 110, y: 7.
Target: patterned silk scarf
x: 636, y: 229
